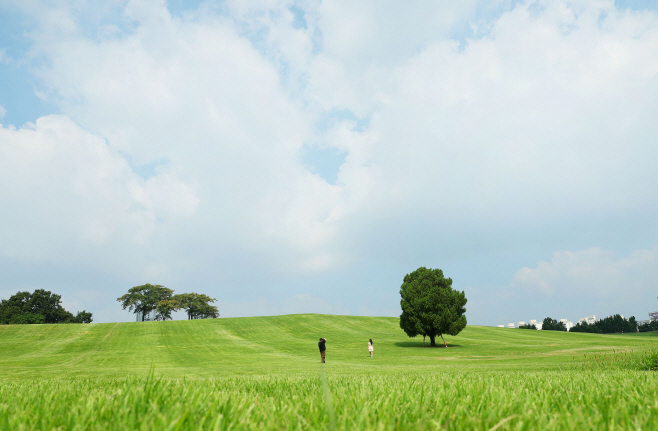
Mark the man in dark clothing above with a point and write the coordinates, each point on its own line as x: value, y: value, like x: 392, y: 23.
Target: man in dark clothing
x: 322, y: 348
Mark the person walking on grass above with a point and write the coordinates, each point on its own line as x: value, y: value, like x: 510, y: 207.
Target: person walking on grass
x: 371, y: 349
x: 322, y: 348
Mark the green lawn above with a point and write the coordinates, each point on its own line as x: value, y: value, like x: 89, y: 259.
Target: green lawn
x: 264, y: 373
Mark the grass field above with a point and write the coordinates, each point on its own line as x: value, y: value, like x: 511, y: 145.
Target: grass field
x: 264, y: 373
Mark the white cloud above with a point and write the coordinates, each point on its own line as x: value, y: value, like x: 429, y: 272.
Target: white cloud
x: 527, y: 121
x: 63, y: 189
x: 199, y: 95
x: 594, y: 273
x: 537, y: 119
x: 3, y: 111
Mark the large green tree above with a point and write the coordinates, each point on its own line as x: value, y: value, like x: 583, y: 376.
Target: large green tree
x: 430, y: 306
x: 41, y: 306
x: 197, y: 305
x: 145, y: 298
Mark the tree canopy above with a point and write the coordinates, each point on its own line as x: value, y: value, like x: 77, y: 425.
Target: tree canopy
x: 41, y: 306
x: 550, y: 324
x: 154, y: 297
x: 430, y: 306
x: 197, y: 305
x: 145, y: 298
x: 649, y: 326
x: 164, y: 309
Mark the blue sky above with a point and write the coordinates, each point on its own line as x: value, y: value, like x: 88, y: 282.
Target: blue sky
x: 289, y: 157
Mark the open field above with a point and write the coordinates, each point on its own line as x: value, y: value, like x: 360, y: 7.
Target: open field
x: 264, y: 372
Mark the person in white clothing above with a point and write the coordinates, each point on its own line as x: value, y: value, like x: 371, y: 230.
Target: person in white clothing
x: 371, y: 349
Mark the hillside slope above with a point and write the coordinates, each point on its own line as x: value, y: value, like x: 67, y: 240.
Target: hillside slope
x: 278, y: 345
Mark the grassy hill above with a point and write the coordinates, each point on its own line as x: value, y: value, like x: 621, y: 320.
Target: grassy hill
x: 264, y: 373
x: 281, y: 345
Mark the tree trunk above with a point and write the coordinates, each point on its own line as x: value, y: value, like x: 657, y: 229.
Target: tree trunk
x: 424, y: 339
x: 432, y: 341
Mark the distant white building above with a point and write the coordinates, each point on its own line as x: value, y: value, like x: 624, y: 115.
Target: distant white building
x: 501, y: 326
x: 590, y: 320
x: 534, y: 322
x: 568, y: 324
x: 539, y: 325
x: 521, y: 323
x: 150, y: 316
x: 510, y: 325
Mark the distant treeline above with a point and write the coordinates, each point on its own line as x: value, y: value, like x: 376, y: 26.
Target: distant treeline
x: 549, y: 324
x: 41, y: 306
x: 648, y: 326
x: 609, y: 325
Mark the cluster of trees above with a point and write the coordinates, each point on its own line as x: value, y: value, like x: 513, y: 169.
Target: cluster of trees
x: 41, y: 306
x: 648, y: 326
x: 549, y: 324
x: 609, y: 325
x: 153, y: 297
x: 430, y: 306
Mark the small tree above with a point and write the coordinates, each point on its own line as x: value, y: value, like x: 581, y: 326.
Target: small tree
x: 83, y: 317
x: 197, y: 305
x: 430, y: 306
x: 165, y: 308
x: 208, y: 311
x: 145, y: 298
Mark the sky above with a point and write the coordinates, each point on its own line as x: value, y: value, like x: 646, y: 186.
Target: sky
x: 303, y: 156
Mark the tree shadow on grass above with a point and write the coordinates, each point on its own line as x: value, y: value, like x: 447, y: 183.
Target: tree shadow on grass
x: 408, y: 344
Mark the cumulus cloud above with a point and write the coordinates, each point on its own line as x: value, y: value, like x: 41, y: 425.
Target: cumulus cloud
x: 594, y: 273
x: 596, y: 277
x: 572, y: 284
x: 63, y: 189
